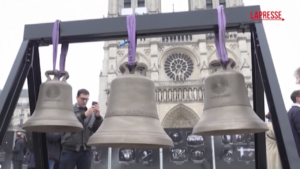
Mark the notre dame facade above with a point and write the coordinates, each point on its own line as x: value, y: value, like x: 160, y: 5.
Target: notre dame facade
x: 176, y: 64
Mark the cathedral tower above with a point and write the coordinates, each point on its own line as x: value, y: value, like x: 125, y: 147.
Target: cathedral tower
x: 177, y: 64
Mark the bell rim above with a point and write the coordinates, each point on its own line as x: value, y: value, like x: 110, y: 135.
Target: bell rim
x: 47, y: 128
x: 116, y: 145
x: 43, y: 125
x: 229, y: 132
x: 246, y: 127
x: 108, y: 140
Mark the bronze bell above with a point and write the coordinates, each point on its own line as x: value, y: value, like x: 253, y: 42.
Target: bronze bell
x: 227, y: 108
x: 131, y: 118
x: 54, y: 109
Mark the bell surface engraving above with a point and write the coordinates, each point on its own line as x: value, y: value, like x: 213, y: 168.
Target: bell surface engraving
x: 53, y: 91
x: 219, y: 85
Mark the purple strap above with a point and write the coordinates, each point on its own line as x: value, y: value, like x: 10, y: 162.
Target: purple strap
x: 220, y: 37
x: 131, y: 27
x: 64, y: 48
x: 63, y: 56
x: 55, y: 39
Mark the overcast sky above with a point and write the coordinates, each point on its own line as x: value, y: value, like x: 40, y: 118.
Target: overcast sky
x: 84, y: 61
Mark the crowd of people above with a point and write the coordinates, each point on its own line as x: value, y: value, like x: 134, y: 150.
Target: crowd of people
x: 273, y: 157
x: 65, y: 150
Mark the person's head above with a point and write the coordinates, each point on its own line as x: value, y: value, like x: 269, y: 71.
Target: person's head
x: 297, y: 75
x: 82, y: 97
x: 19, y: 134
x: 295, y: 96
x: 268, y: 116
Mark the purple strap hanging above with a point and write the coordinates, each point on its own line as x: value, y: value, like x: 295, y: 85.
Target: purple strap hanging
x: 220, y: 37
x: 131, y: 27
x: 63, y: 56
x: 55, y: 40
x: 64, y: 48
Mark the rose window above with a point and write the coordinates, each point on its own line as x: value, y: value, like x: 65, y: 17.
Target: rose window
x: 179, y: 66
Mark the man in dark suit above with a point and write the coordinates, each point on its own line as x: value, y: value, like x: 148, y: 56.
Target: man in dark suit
x: 294, y: 117
x: 18, y: 151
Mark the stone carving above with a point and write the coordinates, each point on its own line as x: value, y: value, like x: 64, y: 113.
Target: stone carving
x: 112, y: 70
x: 185, y: 92
x: 195, y: 47
x: 147, y: 51
x: 180, y: 117
x: 228, y: 35
x: 245, y: 65
x: 177, y: 38
x: 209, y: 47
x: 178, y: 66
x: 233, y: 46
x: 120, y: 53
x: 161, y: 49
x: 179, y: 94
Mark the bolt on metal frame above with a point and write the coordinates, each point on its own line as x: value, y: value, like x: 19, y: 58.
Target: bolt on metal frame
x: 27, y: 65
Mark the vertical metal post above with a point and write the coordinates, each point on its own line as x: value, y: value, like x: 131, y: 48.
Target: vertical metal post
x: 109, y: 158
x: 161, y: 158
x: 13, y: 86
x: 213, y: 152
x: 39, y: 139
x: 284, y: 137
x: 259, y: 108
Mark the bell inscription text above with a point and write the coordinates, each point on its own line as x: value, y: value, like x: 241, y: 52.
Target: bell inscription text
x: 52, y: 92
x: 219, y: 85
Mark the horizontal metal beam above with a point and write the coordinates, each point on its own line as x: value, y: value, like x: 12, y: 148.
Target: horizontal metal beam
x: 148, y: 25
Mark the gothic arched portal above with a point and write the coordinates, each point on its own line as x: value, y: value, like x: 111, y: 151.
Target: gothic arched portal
x: 180, y: 117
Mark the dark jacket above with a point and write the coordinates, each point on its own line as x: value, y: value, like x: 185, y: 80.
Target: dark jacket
x: 29, y: 157
x: 294, y: 117
x: 53, y: 145
x: 19, y: 150
x: 78, y: 140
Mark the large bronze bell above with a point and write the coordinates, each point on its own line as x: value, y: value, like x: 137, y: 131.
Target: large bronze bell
x: 54, y: 109
x: 227, y: 108
x: 131, y: 118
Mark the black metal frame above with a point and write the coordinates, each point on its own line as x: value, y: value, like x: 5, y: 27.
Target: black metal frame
x: 202, y: 21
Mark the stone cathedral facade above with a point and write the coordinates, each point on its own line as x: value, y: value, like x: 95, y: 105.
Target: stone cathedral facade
x: 177, y: 64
